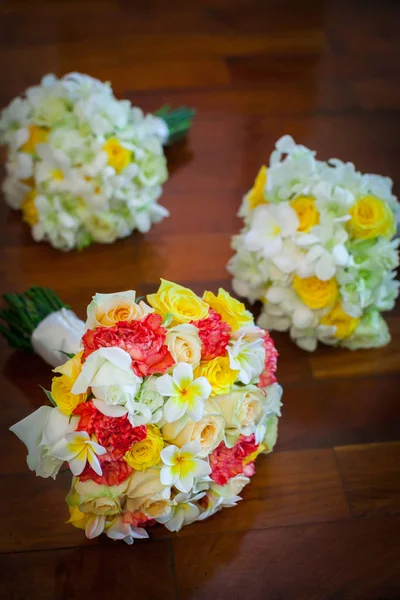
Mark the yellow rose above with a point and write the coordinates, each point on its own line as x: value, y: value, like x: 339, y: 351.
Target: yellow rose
x: 37, y: 135
x: 219, y: 374
x: 61, y: 386
x: 371, y: 217
x: 118, y: 156
x: 29, y: 211
x: 146, y: 454
x: 256, y: 195
x: 106, y: 310
x: 178, y: 301
x: 316, y: 293
x: 304, y: 206
x: 336, y: 317
x: 209, y: 431
x: 231, y: 310
x: 184, y: 344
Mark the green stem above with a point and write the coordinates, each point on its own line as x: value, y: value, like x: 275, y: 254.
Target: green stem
x: 179, y: 121
x: 24, y: 313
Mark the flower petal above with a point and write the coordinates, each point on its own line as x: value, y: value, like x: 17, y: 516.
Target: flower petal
x: 192, y: 448
x: 195, y: 409
x: 94, y: 463
x: 174, y: 409
x: 185, y: 483
x: 165, y: 385
x: 183, y: 375
x: 201, y: 387
x: 201, y: 468
x: 170, y: 455
x: 167, y: 476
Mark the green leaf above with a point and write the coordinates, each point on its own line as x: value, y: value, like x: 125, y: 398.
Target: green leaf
x: 67, y: 353
x: 48, y: 394
x: 169, y: 317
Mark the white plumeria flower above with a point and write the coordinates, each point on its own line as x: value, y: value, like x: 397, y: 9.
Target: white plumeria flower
x: 181, y: 466
x: 186, y: 394
x: 246, y: 353
x: 118, y: 530
x: 183, y: 511
x: 77, y: 449
x: 270, y: 225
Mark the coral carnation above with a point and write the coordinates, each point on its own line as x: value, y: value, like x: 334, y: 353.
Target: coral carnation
x: 115, y: 470
x: 114, y: 433
x: 228, y: 462
x: 267, y: 377
x: 214, y: 334
x: 143, y: 340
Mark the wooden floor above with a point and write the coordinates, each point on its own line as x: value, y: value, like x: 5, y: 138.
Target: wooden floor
x: 321, y: 518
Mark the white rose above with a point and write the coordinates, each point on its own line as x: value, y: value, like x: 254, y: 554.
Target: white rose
x: 242, y: 411
x: 40, y: 431
x: 184, y: 344
x: 209, y: 431
x: 103, y: 368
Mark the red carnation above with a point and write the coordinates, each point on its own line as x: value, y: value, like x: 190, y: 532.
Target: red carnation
x: 143, y: 340
x: 214, y: 334
x: 114, y: 433
x: 271, y: 356
x: 115, y: 470
x: 228, y: 462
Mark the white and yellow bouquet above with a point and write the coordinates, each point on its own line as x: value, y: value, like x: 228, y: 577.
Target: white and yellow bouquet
x: 83, y: 166
x: 160, y: 410
x: 317, y: 249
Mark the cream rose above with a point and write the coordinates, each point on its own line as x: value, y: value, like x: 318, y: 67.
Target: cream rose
x: 209, y: 431
x: 107, y: 309
x: 242, y: 410
x: 90, y: 497
x: 184, y: 344
x: 147, y: 494
x: 232, y: 488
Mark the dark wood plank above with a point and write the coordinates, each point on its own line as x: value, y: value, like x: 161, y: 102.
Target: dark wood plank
x: 333, y: 561
x: 339, y: 412
x: 111, y: 570
x: 327, y: 73
x: 371, y: 478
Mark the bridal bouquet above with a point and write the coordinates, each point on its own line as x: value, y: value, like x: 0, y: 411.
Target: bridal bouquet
x: 160, y: 410
x: 83, y: 166
x: 317, y: 249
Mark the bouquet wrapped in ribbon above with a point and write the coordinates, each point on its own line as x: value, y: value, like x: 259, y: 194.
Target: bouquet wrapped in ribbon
x: 317, y: 249
x: 83, y: 166
x: 160, y: 410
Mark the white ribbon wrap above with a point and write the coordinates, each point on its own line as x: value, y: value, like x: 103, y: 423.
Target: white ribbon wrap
x: 60, y: 330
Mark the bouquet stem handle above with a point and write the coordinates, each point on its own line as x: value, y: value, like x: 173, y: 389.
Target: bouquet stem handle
x: 178, y: 121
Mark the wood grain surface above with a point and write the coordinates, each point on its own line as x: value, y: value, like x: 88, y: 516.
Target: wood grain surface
x: 320, y: 519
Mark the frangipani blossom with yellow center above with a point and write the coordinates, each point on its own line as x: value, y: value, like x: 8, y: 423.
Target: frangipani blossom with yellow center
x: 186, y: 394
x: 77, y: 448
x: 181, y: 466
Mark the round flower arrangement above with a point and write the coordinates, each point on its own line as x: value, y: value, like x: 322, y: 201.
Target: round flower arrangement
x: 317, y: 249
x: 83, y: 166
x: 159, y: 413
